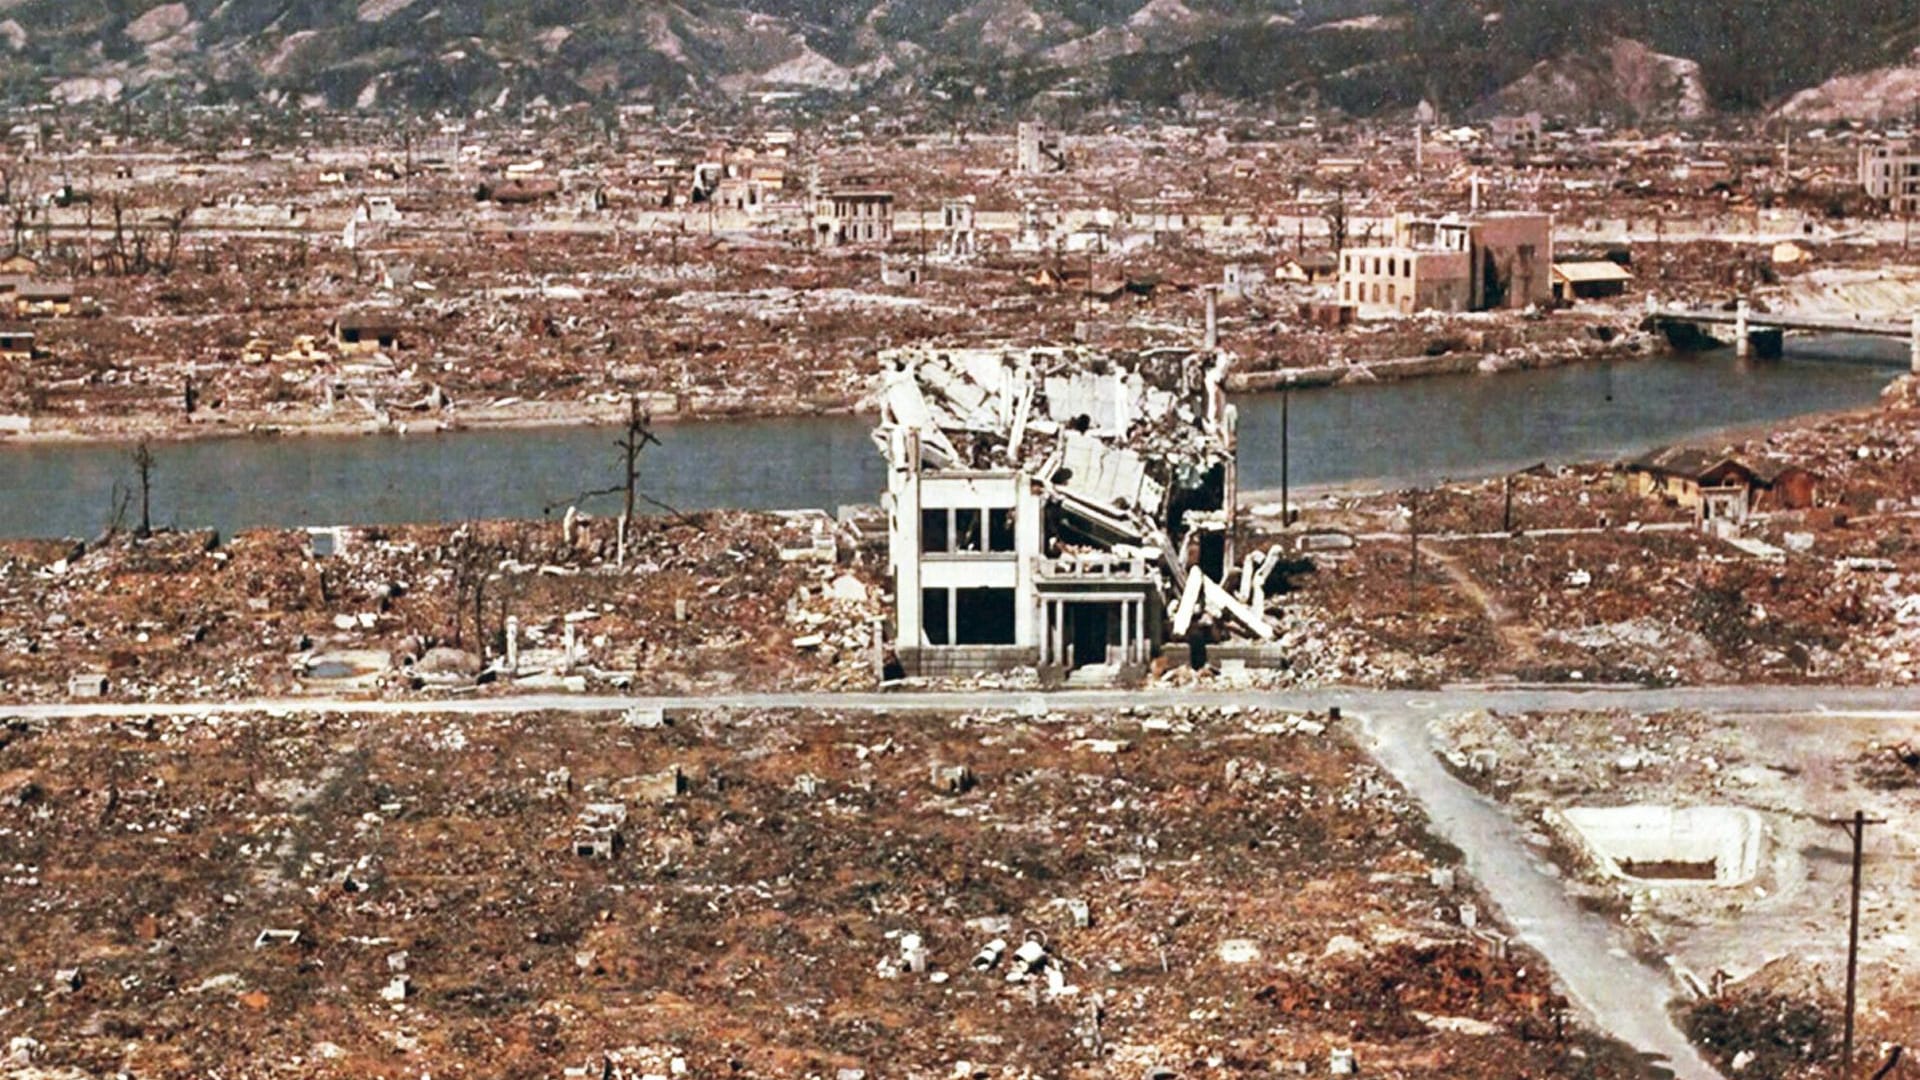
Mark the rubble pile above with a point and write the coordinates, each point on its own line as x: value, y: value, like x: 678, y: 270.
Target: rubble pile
x: 711, y: 599
x: 753, y: 893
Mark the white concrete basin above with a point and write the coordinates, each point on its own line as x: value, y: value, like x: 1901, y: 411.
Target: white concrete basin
x: 1669, y: 846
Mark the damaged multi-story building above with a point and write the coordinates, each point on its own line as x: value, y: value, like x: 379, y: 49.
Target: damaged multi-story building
x: 1481, y: 262
x: 1055, y: 508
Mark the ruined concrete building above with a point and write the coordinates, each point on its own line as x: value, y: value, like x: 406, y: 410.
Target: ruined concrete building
x: 1890, y: 173
x: 853, y: 215
x: 958, y: 231
x: 1036, y: 150
x: 1057, y: 508
x: 1482, y: 262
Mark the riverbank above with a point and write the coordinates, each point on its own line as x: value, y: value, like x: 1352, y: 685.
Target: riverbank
x: 509, y: 416
x: 1716, y: 438
x: 1587, y: 341
x: 1600, y: 342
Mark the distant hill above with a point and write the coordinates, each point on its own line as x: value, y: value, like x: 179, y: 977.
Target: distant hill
x: 1620, y: 57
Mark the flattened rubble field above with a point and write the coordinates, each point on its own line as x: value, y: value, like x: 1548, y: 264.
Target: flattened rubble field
x: 752, y: 893
x: 705, y: 600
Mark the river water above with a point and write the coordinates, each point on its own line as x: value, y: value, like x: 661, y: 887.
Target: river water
x: 1394, y: 434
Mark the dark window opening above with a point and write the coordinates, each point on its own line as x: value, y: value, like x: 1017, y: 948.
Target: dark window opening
x: 1000, y: 530
x: 966, y: 530
x: 985, y: 616
x: 933, y: 615
x: 933, y: 532
x: 1213, y: 554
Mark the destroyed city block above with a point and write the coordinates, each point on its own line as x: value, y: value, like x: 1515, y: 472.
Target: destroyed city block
x: 960, y: 540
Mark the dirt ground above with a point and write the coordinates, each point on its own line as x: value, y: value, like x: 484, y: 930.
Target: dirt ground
x: 345, y: 897
x: 1767, y: 954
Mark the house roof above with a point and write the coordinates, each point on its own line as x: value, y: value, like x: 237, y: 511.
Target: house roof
x: 1769, y: 470
x: 1697, y: 464
x: 1583, y: 273
x: 1684, y: 461
x: 44, y: 290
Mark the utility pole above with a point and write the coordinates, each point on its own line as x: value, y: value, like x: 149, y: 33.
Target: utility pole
x: 1286, y: 501
x: 1506, y: 514
x: 1856, y: 827
x: 1413, y: 543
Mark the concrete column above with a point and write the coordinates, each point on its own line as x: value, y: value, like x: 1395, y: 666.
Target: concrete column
x: 1060, y: 646
x: 1913, y: 357
x: 1126, y: 631
x: 1741, y: 345
x: 1060, y: 631
x: 1137, y: 633
x: 1213, y: 318
x: 513, y: 643
x: 1046, y: 632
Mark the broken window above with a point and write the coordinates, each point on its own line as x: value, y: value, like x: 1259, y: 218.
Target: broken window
x: 933, y: 532
x: 934, y: 615
x: 1000, y: 529
x: 984, y: 616
x: 966, y: 530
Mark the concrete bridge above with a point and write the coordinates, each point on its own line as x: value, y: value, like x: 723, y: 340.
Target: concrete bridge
x: 1767, y: 332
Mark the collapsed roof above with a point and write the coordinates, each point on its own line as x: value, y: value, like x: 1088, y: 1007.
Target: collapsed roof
x: 1122, y: 436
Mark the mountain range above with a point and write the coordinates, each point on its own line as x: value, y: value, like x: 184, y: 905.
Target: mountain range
x: 1631, y: 60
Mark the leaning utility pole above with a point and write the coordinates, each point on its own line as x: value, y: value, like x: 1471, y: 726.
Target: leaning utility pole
x: 1856, y: 827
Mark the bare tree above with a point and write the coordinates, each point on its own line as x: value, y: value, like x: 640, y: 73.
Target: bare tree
x: 143, y: 467
x: 639, y: 436
x: 1336, y: 218
x: 469, y: 564
x: 175, y: 225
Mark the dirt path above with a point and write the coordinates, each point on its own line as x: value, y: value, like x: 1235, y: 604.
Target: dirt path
x: 1516, y: 640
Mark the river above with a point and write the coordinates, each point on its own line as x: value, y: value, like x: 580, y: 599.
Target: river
x: 1396, y: 433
